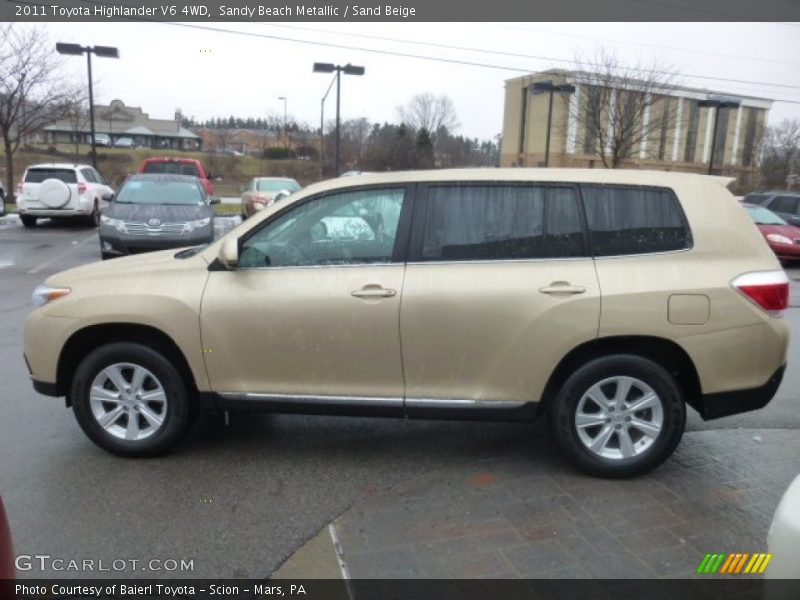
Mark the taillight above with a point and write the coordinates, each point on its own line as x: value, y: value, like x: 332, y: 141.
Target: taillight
x: 81, y: 188
x: 768, y: 290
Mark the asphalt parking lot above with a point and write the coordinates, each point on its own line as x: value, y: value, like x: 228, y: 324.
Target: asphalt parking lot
x: 237, y: 500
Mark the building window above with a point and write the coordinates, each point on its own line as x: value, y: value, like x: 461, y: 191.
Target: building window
x: 592, y: 112
x: 748, y: 149
x: 722, y: 135
x: 691, y: 133
x: 662, y: 140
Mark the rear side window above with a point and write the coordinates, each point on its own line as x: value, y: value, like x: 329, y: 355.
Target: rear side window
x: 39, y: 175
x: 634, y: 220
x: 88, y: 175
x: 785, y: 204
x: 172, y: 168
x: 498, y: 222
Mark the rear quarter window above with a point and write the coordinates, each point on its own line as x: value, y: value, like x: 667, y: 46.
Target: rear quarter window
x: 40, y: 175
x: 785, y: 204
x: 626, y: 220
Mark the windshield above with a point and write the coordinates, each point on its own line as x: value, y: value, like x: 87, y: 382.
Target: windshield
x: 276, y: 185
x: 172, y: 168
x: 160, y: 192
x: 39, y: 175
x: 763, y: 216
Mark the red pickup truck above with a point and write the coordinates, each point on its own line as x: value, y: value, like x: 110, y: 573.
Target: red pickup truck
x: 179, y: 166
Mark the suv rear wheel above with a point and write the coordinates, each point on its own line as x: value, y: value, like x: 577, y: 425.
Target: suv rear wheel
x: 130, y: 400
x: 93, y: 220
x: 619, y: 416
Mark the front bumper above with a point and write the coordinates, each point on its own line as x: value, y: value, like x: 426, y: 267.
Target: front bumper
x: 115, y: 244
x: 733, y: 402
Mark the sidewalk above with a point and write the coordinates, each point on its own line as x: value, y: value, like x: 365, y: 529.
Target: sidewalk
x: 538, y: 518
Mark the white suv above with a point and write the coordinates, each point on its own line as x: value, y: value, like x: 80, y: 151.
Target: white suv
x: 60, y: 190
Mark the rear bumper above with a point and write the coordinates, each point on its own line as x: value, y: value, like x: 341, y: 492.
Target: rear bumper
x: 55, y: 213
x: 733, y: 402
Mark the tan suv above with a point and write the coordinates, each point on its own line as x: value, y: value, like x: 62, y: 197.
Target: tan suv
x: 607, y: 300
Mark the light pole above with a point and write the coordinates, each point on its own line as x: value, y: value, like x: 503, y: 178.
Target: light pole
x: 718, y: 103
x: 77, y: 50
x: 322, y: 124
x: 347, y: 69
x: 285, y: 127
x: 540, y: 87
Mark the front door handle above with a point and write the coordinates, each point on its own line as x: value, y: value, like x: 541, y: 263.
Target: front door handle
x: 558, y: 288
x: 373, y: 292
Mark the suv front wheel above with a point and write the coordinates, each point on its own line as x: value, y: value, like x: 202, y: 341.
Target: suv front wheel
x: 619, y: 416
x: 130, y: 400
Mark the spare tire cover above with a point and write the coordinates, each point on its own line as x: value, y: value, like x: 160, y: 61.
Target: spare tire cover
x: 54, y: 193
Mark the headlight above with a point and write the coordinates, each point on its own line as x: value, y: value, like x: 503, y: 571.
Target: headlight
x: 778, y: 238
x: 44, y: 294
x: 117, y: 224
x: 192, y: 225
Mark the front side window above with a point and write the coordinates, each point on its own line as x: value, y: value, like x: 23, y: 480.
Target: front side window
x: 345, y: 228
x: 498, y: 222
x: 785, y: 204
x: 631, y: 220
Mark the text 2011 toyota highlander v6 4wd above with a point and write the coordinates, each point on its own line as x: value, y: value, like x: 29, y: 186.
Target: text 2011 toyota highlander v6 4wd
x: 607, y: 300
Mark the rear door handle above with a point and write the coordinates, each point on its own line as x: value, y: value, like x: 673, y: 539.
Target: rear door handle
x: 373, y: 292
x: 562, y: 287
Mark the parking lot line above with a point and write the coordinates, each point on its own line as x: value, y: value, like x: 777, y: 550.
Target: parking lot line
x: 55, y: 259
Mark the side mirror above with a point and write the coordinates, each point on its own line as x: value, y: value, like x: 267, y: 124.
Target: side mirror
x: 214, y: 200
x: 108, y: 197
x: 229, y: 252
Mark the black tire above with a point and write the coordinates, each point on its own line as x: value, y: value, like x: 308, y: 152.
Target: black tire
x: 93, y: 220
x: 28, y: 221
x: 106, y: 255
x: 668, y: 393
x: 176, y: 416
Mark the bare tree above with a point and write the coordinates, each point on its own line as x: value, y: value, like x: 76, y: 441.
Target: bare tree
x: 75, y: 111
x: 430, y: 112
x: 623, y: 109
x: 31, y: 91
x: 781, y: 157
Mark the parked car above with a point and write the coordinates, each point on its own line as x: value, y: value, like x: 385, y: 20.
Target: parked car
x: 124, y: 142
x: 264, y: 191
x: 153, y: 212
x: 784, y: 204
x: 178, y: 166
x: 784, y: 239
x: 6, y: 555
x: 62, y: 190
x: 501, y: 274
x: 102, y: 139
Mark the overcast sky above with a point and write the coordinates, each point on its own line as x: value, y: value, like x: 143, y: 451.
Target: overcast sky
x: 209, y: 73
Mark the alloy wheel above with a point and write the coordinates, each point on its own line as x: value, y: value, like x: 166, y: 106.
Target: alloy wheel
x: 619, y: 417
x: 128, y: 401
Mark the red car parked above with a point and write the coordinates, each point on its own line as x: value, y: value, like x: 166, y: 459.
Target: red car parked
x: 179, y: 166
x: 784, y: 239
x: 6, y: 556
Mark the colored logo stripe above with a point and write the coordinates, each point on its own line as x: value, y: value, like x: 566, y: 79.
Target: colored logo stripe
x: 734, y: 563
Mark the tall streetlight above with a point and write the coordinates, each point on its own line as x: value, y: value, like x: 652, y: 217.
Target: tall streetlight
x: 717, y: 102
x: 285, y: 127
x: 347, y: 69
x: 540, y: 87
x: 103, y: 51
x: 322, y: 124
